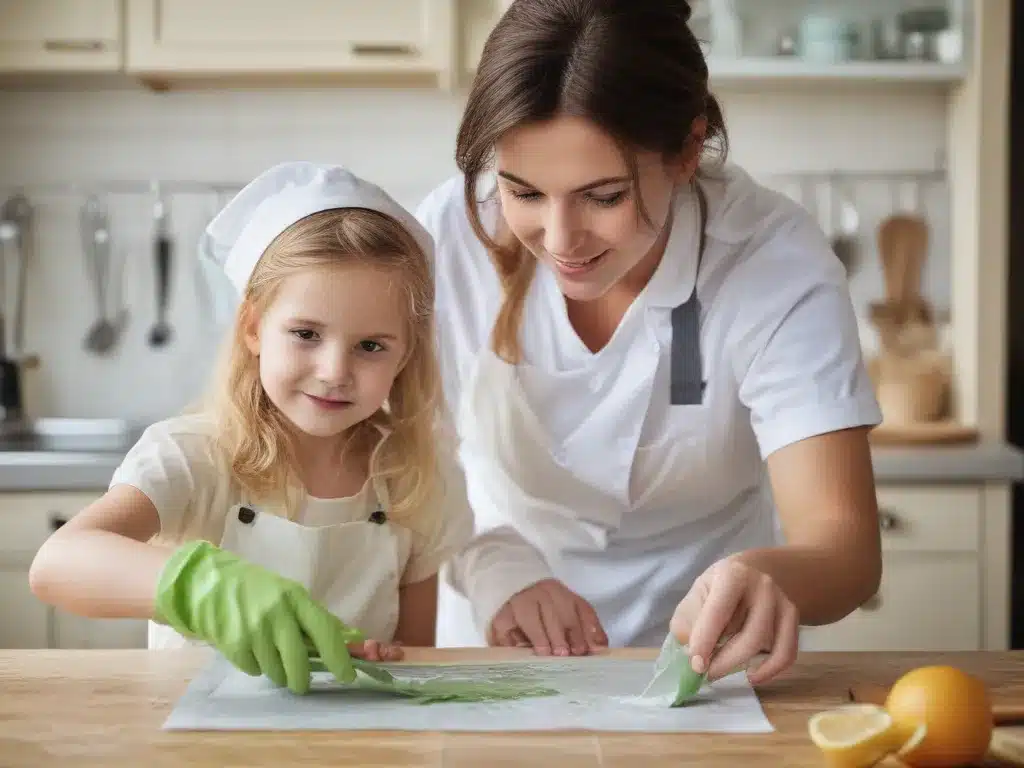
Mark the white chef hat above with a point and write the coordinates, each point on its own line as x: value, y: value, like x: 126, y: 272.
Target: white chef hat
x: 237, y: 237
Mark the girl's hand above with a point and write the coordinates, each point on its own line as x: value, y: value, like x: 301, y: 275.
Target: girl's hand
x: 551, y: 618
x: 373, y: 650
x: 741, y: 612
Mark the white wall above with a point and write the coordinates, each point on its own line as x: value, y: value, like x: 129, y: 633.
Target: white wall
x: 403, y: 140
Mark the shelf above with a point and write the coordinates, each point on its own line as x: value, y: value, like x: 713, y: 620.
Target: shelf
x: 727, y: 70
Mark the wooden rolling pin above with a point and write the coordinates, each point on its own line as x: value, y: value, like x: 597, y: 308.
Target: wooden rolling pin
x: 1005, y: 750
x: 990, y: 761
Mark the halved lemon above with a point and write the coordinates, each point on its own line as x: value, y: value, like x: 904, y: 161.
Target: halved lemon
x: 859, y: 735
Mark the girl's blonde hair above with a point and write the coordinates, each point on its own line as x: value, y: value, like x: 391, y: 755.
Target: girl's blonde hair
x: 253, y: 436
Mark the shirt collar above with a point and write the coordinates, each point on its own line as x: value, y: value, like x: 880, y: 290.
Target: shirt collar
x: 673, y: 281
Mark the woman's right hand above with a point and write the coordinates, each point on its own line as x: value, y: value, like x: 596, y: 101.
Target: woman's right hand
x: 551, y: 618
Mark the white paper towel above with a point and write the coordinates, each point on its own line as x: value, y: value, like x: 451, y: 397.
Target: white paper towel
x: 598, y: 693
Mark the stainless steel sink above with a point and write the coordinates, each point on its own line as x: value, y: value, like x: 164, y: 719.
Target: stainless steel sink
x: 67, y: 435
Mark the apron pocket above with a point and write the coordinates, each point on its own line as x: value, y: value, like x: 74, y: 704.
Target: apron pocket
x: 672, y: 470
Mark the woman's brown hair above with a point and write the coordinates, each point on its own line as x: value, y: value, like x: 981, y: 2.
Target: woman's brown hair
x: 632, y: 67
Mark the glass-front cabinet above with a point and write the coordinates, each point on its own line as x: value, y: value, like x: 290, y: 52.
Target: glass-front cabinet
x: 884, y: 39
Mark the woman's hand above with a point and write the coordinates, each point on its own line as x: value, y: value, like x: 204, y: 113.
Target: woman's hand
x: 743, y: 613
x: 551, y: 618
x: 374, y: 650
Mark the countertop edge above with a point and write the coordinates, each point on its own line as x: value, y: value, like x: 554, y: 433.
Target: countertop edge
x: 986, y: 462
x: 979, y: 463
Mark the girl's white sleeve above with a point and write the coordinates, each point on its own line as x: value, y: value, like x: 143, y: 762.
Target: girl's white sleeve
x: 171, y: 465
x: 451, y: 522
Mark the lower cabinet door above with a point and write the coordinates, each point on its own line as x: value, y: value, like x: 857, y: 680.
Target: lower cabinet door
x: 927, y: 602
x: 72, y: 631
x: 24, y: 619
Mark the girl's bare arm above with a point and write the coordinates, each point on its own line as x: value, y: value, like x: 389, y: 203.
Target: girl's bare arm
x: 99, y: 563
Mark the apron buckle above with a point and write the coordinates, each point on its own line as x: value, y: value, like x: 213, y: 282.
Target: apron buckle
x: 246, y: 515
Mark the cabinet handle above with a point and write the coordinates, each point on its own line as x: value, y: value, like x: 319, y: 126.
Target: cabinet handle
x: 873, y: 603
x: 383, y: 49
x: 74, y: 45
x: 56, y: 521
x: 887, y: 521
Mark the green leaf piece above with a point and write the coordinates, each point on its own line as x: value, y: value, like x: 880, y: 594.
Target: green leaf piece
x: 690, y: 684
x: 672, y: 672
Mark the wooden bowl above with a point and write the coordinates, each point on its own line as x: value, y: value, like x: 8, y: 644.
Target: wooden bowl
x: 912, y: 389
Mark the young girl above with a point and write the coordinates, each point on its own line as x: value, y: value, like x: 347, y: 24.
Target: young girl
x: 306, y: 508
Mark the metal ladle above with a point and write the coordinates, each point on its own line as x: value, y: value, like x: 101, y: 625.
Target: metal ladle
x: 16, y: 217
x: 846, y: 226
x: 160, y: 333
x: 96, y: 244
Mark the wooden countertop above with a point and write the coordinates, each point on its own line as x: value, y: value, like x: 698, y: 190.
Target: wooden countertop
x: 106, y: 708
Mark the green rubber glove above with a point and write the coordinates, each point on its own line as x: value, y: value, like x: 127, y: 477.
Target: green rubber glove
x: 261, y: 622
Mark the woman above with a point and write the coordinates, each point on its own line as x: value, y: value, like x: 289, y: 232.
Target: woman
x: 653, y: 362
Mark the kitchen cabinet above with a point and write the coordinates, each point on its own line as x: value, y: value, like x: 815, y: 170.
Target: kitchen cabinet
x: 26, y: 622
x: 943, y: 584
x: 476, y: 20
x: 26, y: 520
x: 915, y: 40
x: 800, y: 40
x: 238, y: 37
x: 60, y: 36
x: 178, y: 41
x: 70, y: 631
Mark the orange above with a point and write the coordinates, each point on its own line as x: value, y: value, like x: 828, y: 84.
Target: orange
x: 953, y: 706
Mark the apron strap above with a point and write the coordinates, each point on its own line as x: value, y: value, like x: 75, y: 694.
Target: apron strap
x: 686, y: 377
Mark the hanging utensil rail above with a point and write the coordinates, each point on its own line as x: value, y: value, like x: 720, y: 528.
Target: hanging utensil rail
x: 892, y: 175
x: 124, y: 186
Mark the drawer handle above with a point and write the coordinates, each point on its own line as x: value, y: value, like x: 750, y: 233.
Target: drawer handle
x: 873, y: 603
x: 383, y: 49
x: 57, y: 522
x: 74, y: 45
x: 887, y: 521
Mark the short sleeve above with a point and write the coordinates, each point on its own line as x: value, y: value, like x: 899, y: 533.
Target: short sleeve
x: 796, y: 347
x: 453, y: 523
x: 172, y: 465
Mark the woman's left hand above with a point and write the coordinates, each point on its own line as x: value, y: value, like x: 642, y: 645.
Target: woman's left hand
x: 374, y: 650
x: 742, y: 612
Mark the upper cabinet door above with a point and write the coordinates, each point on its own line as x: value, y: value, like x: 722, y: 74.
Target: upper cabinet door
x: 478, y: 20
x: 60, y: 35
x: 245, y: 37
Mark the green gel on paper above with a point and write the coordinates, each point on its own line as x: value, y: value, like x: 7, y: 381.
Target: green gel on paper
x: 372, y: 677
